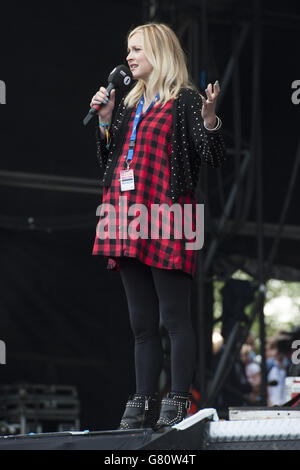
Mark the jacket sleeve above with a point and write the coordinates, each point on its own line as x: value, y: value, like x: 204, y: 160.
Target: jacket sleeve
x: 101, y: 144
x: 102, y: 151
x: 209, y: 145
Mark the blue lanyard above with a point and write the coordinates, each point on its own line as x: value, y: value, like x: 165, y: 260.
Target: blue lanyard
x: 137, y: 119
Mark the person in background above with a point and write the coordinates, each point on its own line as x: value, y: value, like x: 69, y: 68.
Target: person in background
x: 251, y: 341
x: 277, y: 368
x: 252, y: 370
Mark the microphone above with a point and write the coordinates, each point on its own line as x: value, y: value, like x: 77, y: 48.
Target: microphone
x: 119, y: 77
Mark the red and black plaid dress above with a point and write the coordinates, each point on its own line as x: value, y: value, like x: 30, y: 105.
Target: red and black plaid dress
x: 150, y: 163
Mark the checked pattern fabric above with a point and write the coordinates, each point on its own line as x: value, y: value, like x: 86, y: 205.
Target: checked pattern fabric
x: 162, y: 241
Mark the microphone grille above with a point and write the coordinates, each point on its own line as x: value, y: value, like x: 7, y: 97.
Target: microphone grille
x: 120, y: 77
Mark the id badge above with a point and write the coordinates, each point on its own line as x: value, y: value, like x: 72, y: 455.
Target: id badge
x: 126, y: 180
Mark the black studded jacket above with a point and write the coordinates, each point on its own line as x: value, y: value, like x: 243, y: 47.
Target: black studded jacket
x: 191, y: 143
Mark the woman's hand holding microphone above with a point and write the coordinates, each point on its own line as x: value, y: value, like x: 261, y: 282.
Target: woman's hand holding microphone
x: 107, y: 105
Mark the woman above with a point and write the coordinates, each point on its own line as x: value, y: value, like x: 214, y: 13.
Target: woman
x: 151, y: 155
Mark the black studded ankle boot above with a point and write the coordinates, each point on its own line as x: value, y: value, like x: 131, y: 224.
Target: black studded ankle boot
x: 173, y: 410
x: 142, y: 411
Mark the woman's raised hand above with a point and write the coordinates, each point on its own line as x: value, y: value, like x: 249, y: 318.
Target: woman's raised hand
x: 208, y: 111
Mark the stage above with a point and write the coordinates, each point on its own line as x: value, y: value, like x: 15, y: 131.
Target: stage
x: 199, y: 432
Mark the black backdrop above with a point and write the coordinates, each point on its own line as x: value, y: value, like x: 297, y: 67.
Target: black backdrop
x: 62, y: 315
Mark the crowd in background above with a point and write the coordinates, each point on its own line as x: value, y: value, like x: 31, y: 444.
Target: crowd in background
x: 244, y: 384
x: 279, y: 365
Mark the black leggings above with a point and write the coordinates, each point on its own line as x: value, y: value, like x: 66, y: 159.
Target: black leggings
x: 150, y: 292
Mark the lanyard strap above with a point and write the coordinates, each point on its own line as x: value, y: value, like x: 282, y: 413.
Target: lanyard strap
x: 137, y: 119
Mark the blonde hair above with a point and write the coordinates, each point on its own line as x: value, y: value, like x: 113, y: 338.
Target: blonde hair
x: 164, y: 52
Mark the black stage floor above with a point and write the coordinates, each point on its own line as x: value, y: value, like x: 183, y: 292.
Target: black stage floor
x: 201, y: 431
